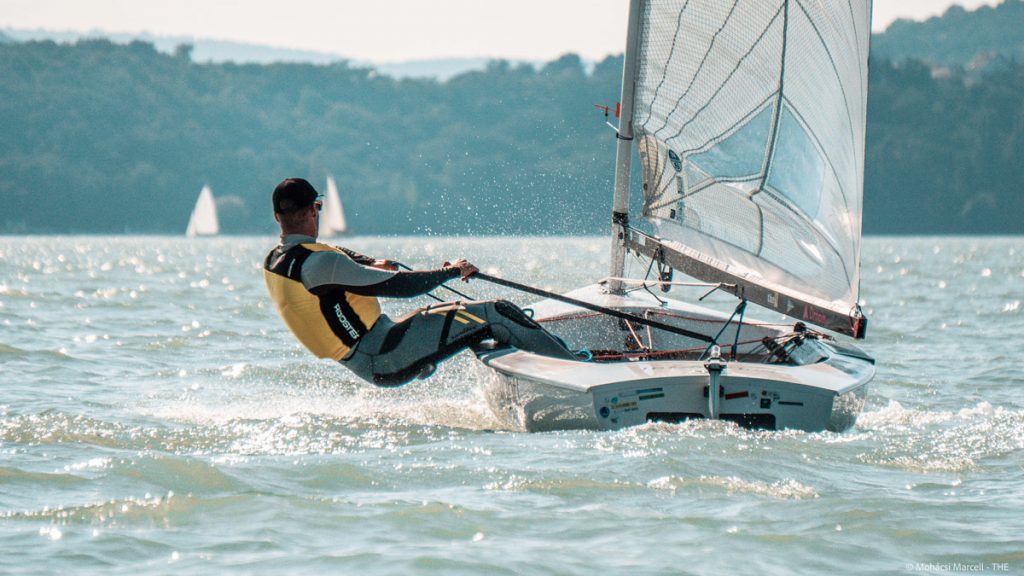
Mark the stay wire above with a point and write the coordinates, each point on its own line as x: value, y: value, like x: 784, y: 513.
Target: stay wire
x: 648, y: 275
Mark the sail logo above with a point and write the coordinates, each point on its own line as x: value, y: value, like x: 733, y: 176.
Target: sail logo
x: 813, y: 316
x: 674, y: 159
x: 345, y: 323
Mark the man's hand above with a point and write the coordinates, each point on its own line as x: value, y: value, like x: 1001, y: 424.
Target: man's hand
x: 384, y: 265
x: 465, y: 268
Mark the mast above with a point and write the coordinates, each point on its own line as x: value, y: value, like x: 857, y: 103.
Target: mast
x: 624, y: 150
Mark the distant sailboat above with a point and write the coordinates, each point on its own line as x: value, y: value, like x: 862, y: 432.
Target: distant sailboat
x: 332, y: 219
x: 203, y: 221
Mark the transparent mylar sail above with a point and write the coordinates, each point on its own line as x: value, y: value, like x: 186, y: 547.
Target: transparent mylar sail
x: 750, y: 121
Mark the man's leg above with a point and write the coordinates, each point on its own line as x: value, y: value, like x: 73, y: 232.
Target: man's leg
x: 413, y: 345
x: 510, y: 325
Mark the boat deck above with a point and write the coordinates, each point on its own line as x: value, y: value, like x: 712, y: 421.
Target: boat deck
x: 638, y: 374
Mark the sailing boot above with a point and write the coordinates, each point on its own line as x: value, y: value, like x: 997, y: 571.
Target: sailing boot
x: 509, y: 325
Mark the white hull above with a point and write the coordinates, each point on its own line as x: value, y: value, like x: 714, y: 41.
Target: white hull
x: 821, y: 388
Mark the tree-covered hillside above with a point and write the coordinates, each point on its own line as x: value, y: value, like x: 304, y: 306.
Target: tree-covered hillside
x: 944, y: 156
x: 958, y: 37
x: 121, y: 138
x: 98, y: 137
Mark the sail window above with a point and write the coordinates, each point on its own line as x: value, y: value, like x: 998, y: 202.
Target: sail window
x: 740, y: 154
x: 797, y: 169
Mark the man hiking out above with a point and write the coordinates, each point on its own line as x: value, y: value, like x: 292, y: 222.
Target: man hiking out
x: 328, y: 297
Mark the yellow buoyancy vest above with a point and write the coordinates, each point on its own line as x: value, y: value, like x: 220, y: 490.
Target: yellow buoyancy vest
x: 328, y: 322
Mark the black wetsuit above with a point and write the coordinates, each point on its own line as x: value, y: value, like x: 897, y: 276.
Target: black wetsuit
x: 380, y: 350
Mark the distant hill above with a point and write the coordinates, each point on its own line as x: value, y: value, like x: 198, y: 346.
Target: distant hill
x: 122, y: 136
x: 438, y: 69
x: 223, y: 51
x: 203, y: 50
x: 958, y: 37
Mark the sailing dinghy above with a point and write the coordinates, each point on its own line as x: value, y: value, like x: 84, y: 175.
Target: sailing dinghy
x: 203, y: 221
x: 332, y: 219
x: 749, y: 120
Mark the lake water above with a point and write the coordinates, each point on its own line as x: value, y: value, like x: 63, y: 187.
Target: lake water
x: 157, y: 417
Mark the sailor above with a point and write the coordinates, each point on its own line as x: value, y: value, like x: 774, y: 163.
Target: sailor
x: 328, y: 297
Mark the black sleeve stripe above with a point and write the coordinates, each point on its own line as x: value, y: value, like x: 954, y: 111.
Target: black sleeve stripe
x: 357, y: 257
x: 407, y: 284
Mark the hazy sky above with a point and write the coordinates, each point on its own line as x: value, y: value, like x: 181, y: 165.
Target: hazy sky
x: 385, y: 30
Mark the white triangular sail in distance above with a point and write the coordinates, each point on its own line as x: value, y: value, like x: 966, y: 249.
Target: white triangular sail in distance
x: 750, y: 122
x: 332, y: 218
x: 203, y: 221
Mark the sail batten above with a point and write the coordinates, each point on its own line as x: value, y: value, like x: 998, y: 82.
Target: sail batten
x: 750, y: 123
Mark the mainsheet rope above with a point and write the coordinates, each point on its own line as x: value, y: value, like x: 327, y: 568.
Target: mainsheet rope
x: 579, y: 303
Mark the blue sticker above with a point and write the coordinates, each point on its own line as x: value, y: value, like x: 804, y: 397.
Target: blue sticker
x: 674, y: 159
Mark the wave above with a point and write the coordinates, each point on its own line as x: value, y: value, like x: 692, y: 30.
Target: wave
x: 5, y: 349
x: 15, y: 353
x: 894, y: 415
x: 128, y: 510
x: 9, y: 292
x: 787, y: 489
x: 948, y: 441
x: 254, y: 393
x: 10, y: 475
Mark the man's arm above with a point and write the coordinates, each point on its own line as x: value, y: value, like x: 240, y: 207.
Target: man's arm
x: 357, y: 257
x: 408, y: 284
x: 324, y: 271
x: 367, y: 260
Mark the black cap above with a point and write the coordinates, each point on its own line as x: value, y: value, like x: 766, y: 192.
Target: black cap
x: 293, y: 194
